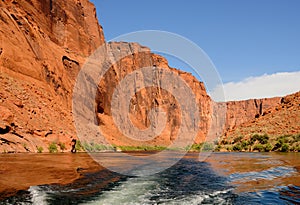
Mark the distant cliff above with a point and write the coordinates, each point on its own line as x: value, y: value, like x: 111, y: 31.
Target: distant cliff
x: 239, y: 112
x: 278, y: 116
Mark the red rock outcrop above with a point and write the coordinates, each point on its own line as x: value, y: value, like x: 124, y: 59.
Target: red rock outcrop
x: 239, y: 112
x: 43, y: 44
x: 148, y: 98
x: 281, y: 117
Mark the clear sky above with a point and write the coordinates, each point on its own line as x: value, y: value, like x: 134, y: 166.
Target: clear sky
x: 245, y: 39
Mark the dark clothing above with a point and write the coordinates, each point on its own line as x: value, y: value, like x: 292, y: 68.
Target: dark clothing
x: 73, y: 150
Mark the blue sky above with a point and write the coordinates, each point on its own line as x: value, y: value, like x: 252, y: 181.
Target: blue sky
x: 244, y: 39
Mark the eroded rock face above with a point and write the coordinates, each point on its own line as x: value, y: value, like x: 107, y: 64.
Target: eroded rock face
x: 279, y: 116
x: 239, y: 112
x: 47, y: 31
x: 43, y: 45
x: 147, y: 98
x: 6, y: 120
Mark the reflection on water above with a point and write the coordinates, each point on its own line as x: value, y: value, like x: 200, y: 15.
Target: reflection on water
x: 224, y: 178
x: 257, y: 171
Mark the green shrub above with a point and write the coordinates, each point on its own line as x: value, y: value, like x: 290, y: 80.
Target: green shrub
x: 244, y: 143
x: 277, y: 146
x: 218, y: 148
x: 94, y: 147
x: 268, y: 147
x: 259, y: 147
x: 297, y: 138
x: 52, y: 148
x: 263, y: 139
x: 196, y: 147
x: 253, y: 139
x: 88, y: 147
x: 237, y: 139
x: 188, y: 147
x: 224, y: 142
x: 101, y: 147
x: 62, y: 146
x: 78, y: 146
x: 207, y: 147
x: 237, y: 147
x: 40, y: 149
x: 143, y: 148
x: 284, y: 138
x: 285, y: 148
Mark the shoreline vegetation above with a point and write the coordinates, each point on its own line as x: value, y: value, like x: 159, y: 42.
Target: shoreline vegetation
x: 254, y: 143
x: 261, y: 143
x: 93, y: 147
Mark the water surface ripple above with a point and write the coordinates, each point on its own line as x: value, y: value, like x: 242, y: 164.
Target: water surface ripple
x: 224, y: 178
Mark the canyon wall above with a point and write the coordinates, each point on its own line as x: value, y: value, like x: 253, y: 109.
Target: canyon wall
x: 281, y: 117
x: 149, y: 97
x: 44, y: 44
x: 239, y: 112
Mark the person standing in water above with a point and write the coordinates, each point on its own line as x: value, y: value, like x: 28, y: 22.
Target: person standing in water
x: 73, y: 143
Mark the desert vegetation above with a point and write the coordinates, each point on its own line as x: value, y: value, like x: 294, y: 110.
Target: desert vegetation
x: 262, y: 143
x: 52, y: 147
x: 94, y: 147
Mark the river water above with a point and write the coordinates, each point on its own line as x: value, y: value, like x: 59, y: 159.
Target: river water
x: 223, y: 178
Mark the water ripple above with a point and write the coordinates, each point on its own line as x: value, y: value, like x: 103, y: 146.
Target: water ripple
x: 268, y: 174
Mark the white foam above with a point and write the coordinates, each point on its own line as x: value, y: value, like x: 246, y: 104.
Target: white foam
x: 199, y: 197
x: 132, y: 191
x: 38, y: 196
x: 140, y: 190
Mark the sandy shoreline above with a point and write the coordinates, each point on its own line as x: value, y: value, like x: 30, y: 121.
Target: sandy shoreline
x: 20, y: 171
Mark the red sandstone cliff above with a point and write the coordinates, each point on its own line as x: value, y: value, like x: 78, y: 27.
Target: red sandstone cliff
x: 239, y: 112
x: 281, y: 117
x: 44, y: 44
x: 149, y: 98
